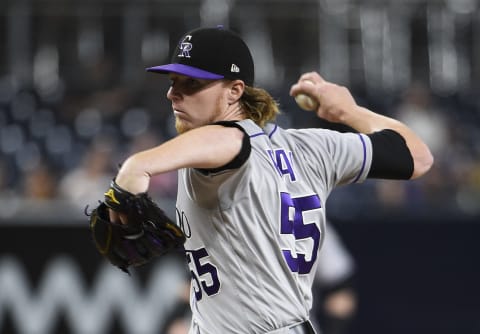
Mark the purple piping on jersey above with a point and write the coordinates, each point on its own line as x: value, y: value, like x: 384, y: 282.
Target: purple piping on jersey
x: 258, y: 134
x: 364, y: 158
x: 273, y: 131
x: 264, y: 134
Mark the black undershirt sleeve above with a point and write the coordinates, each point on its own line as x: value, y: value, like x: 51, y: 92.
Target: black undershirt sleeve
x: 241, y: 157
x: 391, y: 158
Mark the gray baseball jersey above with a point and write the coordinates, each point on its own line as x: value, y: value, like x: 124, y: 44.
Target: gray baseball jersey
x: 254, y: 233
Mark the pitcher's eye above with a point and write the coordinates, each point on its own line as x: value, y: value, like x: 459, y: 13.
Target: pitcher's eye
x: 192, y: 83
x: 188, y: 85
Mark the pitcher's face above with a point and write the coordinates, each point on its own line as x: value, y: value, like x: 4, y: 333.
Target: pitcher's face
x: 196, y: 102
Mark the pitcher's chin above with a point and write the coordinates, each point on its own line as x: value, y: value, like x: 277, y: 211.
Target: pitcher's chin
x: 181, y: 126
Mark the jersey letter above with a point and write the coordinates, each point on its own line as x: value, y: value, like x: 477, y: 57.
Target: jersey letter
x: 282, y: 161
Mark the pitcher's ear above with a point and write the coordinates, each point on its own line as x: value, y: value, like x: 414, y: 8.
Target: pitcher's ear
x: 236, y: 90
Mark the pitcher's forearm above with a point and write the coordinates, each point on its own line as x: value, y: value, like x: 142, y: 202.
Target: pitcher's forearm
x: 210, y: 146
x: 366, y: 121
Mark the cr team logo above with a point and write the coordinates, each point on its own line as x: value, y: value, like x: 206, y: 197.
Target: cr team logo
x: 185, y: 47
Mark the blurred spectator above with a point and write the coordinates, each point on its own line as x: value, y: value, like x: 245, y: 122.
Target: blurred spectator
x: 39, y: 183
x: 178, y: 320
x: 467, y: 196
x: 335, y: 299
x: 418, y: 110
x: 3, y: 176
x: 86, y: 183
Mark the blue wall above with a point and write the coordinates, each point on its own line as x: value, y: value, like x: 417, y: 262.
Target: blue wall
x: 416, y: 277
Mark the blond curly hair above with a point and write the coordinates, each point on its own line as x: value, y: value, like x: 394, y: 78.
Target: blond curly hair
x: 259, y: 105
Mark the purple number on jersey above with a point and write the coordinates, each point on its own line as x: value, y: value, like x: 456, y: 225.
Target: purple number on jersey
x: 295, y: 224
x: 201, y: 271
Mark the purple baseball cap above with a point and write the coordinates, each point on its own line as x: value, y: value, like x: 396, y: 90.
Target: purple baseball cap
x: 211, y: 53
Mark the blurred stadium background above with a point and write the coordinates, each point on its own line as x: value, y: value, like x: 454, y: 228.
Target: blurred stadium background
x: 75, y: 101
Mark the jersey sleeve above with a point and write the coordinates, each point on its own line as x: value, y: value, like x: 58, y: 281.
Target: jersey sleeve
x: 336, y: 158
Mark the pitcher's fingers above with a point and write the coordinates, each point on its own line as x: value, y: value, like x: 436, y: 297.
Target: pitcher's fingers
x: 312, y: 76
x: 116, y: 217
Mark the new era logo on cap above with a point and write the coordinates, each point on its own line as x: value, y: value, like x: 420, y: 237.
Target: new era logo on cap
x: 211, y: 53
x: 234, y: 68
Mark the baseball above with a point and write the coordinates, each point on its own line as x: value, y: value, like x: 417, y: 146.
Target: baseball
x: 306, y: 102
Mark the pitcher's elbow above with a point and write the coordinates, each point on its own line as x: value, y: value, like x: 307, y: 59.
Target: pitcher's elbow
x: 423, y: 164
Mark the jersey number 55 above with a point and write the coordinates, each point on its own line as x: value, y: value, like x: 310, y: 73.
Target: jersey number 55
x: 292, y: 215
